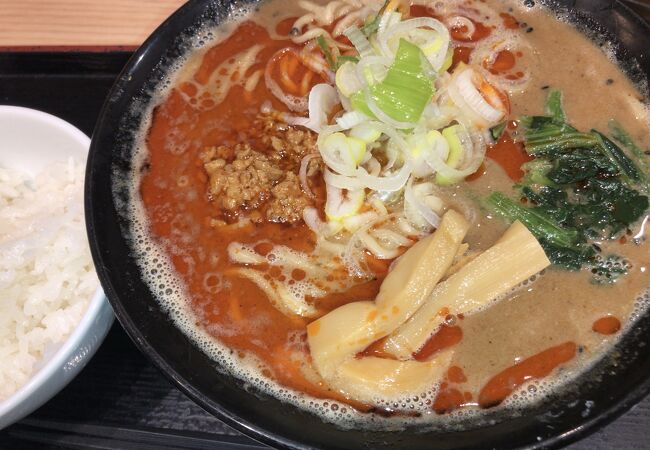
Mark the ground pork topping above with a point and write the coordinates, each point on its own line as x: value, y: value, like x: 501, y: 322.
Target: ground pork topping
x: 288, y: 201
x: 261, y: 183
x: 244, y: 183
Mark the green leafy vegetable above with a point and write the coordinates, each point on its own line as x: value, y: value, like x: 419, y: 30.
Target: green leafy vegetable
x: 549, y: 138
x: 623, y: 137
x: 536, y: 172
x: 497, y: 130
x: 554, y: 106
x: 552, y: 136
x: 566, y: 247
x: 537, y: 222
x: 626, y: 167
x: 580, y: 188
x: 607, y: 269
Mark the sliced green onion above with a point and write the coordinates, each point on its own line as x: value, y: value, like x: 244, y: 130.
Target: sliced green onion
x: 366, y: 132
x: 326, y: 51
x: 362, y: 179
x: 406, y: 89
x: 449, y: 60
x: 358, y: 102
x: 455, y: 156
x: 464, y: 92
x: 342, y: 153
x: 431, y: 35
x: 360, y: 41
x: 371, y: 27
x: 421, y: 206
x: 341, y: 204
x: 420, y: 147
x: 473, y: 155
x: 347, y: 80
x: 351, y: 119
x: 344, y: 59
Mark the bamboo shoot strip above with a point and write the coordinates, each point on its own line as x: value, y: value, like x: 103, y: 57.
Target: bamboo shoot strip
x: 336, y: 338
x: 371, y: 379
x: 513, y: 259
x: 347, y: 330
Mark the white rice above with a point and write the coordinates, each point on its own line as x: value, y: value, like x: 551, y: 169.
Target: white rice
x: 46, y: 273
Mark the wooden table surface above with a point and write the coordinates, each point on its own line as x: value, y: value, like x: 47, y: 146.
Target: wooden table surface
x: 126, y: 23
x: 78, y: 23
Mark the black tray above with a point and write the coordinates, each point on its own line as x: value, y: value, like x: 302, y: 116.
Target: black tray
x: 120, y: 401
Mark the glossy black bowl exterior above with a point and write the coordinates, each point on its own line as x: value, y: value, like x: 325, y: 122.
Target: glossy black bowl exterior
x: 610, y: 388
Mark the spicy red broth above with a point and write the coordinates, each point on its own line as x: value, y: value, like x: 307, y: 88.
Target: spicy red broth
x: 515, y: 344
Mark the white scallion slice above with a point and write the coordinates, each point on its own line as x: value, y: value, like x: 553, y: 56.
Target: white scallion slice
x: 366, y: 132
x: 360, y: 42
x: 464, y: 92
x: 322, y: 99
x: 347, y: 79
x: 473, y: 150
x: 423, y: 32
x: 391, y: 183
x: 352, y: 119
x: 418, y: 202
x: 341, y: 204
x: 340, y: 152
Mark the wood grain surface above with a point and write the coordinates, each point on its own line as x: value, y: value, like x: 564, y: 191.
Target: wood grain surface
x: 80, y: 23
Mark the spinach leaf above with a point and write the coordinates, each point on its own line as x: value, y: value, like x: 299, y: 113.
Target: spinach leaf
x: 580, y: 188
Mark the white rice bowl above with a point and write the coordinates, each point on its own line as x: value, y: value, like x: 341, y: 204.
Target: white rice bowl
x: 52, y: 314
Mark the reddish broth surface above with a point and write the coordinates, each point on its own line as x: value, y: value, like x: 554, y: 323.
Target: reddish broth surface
x: 510, y: 155
x: 446, y: 337
x: 607, y: 325
x: 181, y: 221
x: 534, y: 367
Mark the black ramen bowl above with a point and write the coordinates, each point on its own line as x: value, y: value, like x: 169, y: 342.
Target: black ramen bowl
x: 597, y: 397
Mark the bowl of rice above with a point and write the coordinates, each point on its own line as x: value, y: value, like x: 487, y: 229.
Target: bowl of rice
x: 53, y: 313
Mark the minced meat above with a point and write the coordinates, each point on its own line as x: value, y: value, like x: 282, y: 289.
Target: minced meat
x: 243, y: 183
x: 284, y: 143
x: 260, y: 183
x: 288, y: 201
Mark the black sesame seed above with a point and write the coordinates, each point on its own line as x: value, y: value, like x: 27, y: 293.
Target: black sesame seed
x: 545, y: 87
x: 529, y: 3
x: 609, y: 82
x: 294, y: 31
x: 647, y: 152
x: 529, y: 30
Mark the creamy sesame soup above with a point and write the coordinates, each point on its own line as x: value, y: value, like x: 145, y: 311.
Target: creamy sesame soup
x: 367, y: 210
